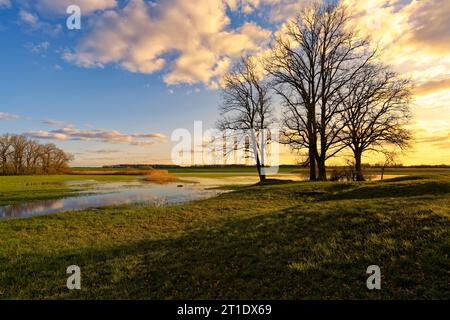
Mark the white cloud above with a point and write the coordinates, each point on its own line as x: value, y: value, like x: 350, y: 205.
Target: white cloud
x: 140, y: 36
x: 245, y: 6
x: 273, y: 10
x: 47, y: 135
x: 28, y: 18
x: 281, y: 10
x: 8, y: 116
x: 58, y: 123
x: 71, y: 133
x: 414, y: 37
x: 39, y: 47
x: 60, y: 6
x: 34, y: 23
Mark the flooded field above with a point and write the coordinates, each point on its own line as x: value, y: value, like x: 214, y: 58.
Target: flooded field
x: 110, y: 194
x: 94, y: 194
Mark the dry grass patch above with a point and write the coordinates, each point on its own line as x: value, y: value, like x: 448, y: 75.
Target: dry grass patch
x: 160, y: 176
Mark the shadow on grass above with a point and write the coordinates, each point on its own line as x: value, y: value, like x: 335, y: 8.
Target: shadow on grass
x: 403, y: 179
x: 274, y: 182
x: 380, y: 190
x: 267, y: 182
x: 297, y: 253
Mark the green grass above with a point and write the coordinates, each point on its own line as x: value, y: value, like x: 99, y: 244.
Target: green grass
x: 230, y: 172
x: 276, y: 241
x: 250, y: 171
x: 16, y: 189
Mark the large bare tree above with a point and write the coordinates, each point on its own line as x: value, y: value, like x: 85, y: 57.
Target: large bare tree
x: 376, y: 112
x: 246, y: 107
x: 311, y: 60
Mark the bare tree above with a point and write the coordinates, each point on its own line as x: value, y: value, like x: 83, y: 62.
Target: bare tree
x: 18, y: 145
x: 376, y: 111
x: 5, y: 151
x: 20, y: 155
x: 46, y: 157
x: 61, y: 160
x: 310, y: 62
x: 246, y: 107
x: 32, y: 154
x: 389, y: 160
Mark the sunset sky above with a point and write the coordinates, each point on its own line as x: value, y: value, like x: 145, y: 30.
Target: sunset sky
x: 114, y: 91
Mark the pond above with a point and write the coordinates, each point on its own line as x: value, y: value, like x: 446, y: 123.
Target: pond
x: 111, y: 194
x: 93, y: 194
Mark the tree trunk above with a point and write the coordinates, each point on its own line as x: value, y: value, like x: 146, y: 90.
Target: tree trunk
x: 322, y: 158
x: 312, y: 148
x: 312, y: 165
x: 4, y: 165
x: 322, y: 169
x: 359, y: 176
x: 261, y: 174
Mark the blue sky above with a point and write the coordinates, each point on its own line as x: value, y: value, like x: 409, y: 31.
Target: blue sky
x: 140, y: 67
x: 38, y: 84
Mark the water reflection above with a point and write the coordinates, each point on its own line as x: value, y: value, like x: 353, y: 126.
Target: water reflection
x: 111, y: 194
x: 122, y: 193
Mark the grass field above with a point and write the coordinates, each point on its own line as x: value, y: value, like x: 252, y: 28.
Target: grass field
x: 279, y: 241
x: 16, y: 189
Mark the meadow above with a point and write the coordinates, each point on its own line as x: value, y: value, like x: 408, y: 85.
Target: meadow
x: 17, y: 189
x: 281, y: 240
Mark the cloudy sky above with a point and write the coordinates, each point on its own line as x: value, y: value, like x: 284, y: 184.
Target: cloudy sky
x: 114, y: 91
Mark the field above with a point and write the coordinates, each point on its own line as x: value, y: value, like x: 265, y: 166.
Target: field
x: 283, y: 240
x: 16, y: 189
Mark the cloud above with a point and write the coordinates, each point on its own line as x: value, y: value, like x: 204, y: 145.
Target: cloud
x: 432, y: 133
x: 5, y: 4
x: 103, y: 151
x: 8, y: 116
x: 70, y: 133
x: 39, y: 47
x: 34, y: 23
x: 47, y: 135
x: 414, y: 38
x: 435, y: 139
x: 193, y: 40
x: 402, y: 25
x: 245, y: 6
x: 87, y: 6
x: 443, y: 145
x: 58, y: 123
x: 28, y: 18
x: 433, y: 86
x: 281, y: 10
x: 441, y: 140
x: 275, y: 11
x: 430, y: 24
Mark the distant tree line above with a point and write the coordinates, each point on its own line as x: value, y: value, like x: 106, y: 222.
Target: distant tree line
x: 336, y: 95
x: 20, y: 155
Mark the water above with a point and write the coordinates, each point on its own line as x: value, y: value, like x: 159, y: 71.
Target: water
x: 110, y: 194
x: 123, y: 193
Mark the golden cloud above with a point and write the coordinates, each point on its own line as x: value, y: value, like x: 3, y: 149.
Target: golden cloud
x: 433, y: 86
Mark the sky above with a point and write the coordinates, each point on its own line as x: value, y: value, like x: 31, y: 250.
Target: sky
x: 115, y: 90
